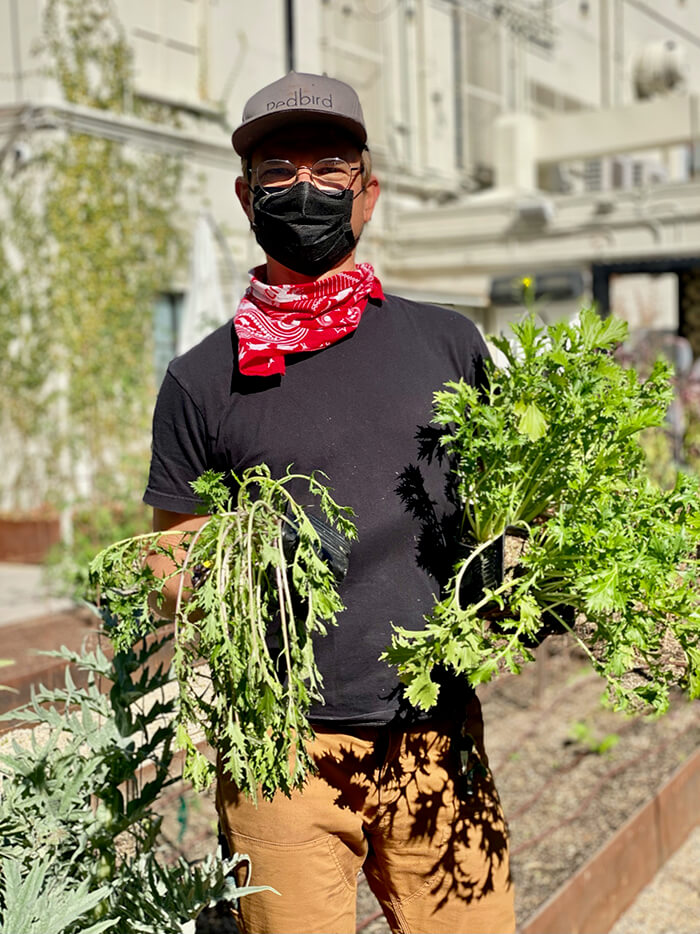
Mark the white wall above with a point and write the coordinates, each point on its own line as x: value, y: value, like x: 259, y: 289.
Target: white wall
x: 644, y: 301
x: 572, y: 66
x: 20, y: 70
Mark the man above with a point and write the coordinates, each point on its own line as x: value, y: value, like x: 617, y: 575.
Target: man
x: 322, y: 370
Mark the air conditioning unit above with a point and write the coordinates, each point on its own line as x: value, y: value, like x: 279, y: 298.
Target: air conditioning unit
x: 648, y: 172
x: 621, y: 172
x: 659, y: 68
x: 596, y: 175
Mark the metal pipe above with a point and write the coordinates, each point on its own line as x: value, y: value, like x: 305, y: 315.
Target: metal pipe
x: 289, y: 32
x: 618, y: 52
x: 16, y: 51
x: 604, y: 53
x: 458, y: 55
x: 422, y: 130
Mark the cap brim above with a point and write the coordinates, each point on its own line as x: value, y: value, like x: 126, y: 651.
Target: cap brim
x: 247, y: 136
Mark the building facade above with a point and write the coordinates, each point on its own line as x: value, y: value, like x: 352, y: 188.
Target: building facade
x: 519, y: 137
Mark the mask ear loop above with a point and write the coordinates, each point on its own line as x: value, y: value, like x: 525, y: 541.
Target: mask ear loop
x: 365, y: 148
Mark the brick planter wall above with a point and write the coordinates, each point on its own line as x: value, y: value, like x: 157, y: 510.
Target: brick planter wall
x: 27, y: 539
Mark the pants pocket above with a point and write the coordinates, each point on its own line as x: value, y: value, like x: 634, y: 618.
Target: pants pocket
x: 316, y: 882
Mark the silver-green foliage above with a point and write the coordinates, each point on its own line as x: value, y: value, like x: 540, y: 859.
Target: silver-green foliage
x: 39, y: 901
x: 252, y: 620
x: 551, y: 447
x: 79, y: 833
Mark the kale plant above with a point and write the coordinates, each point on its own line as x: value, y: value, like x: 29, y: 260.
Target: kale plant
x: 251, y: 618
x: 80, y: 838
x: 550, y: 449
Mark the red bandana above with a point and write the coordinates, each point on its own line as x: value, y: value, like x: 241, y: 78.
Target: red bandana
x: 274, y: 320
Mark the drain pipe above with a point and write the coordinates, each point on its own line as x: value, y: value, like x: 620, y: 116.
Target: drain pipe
x: 289, y: 32
x: 457, y: 53
x: 16, y: 51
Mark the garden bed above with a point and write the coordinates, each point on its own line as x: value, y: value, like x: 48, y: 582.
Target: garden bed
x: 567, y: 786
x: 565, y: 794
x: 27, y: 539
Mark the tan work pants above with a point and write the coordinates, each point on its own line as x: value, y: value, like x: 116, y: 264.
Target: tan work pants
x: 387, y: 802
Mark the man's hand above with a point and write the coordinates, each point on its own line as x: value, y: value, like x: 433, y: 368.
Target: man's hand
x: 171, y: 524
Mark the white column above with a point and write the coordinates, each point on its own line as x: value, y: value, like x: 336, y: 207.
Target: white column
x: 515, y: 150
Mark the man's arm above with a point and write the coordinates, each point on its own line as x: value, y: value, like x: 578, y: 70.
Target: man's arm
x: 162, y: 565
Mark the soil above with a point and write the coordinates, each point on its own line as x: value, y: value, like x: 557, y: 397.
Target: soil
x: 569, y: 773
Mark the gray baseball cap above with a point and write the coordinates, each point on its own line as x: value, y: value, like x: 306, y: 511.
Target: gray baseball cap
x: 299, y: 98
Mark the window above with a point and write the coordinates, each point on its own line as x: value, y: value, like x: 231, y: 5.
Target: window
x: 167, y: 320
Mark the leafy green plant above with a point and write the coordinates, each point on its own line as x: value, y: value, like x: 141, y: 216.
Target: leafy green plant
x: 658, y: 452
x: 551, y: 449
x: 79, y: 833
x: 67, y: 565
x: 36, y: 902
x: 582, y: 733
x: 91, y: 233
x: 691, y: 441
x: 252, y: 618
x: 4, y: 662
x: 674, y: 445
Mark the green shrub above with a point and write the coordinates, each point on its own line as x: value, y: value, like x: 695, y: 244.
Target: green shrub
x: 95, y: 526
x: 79, y: 833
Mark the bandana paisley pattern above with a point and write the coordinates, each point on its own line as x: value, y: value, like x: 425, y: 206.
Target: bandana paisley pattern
x: 274, y: 320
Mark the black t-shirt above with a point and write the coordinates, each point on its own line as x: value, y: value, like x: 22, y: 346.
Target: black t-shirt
x: 353, y: 411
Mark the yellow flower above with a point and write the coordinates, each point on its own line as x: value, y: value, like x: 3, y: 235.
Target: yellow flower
x: 526, y: 282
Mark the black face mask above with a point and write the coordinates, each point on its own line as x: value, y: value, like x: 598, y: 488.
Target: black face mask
x: 305, y: 229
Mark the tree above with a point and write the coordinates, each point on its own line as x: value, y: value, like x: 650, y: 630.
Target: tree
x: 92, y: 235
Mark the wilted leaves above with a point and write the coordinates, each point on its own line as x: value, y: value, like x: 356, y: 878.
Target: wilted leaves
x: 251, y: 619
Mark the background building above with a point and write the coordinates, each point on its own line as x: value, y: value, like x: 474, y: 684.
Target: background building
x: 557, y: 139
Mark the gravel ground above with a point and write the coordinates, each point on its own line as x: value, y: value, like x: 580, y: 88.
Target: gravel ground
x: 673, y: 885
x: 569, y: 774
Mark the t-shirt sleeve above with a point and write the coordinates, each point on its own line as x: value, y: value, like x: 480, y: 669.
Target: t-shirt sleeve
x: 179, y: 450
x: 475, y: 353
x: 481, y: 356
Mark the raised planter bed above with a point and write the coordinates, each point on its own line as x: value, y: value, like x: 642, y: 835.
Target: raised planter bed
x: 24, y: 641
x: 565, y: 801
x: 28, y: 539
x: 595, y: 897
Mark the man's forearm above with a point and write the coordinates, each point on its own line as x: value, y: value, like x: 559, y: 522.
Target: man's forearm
x: 167, y: 565
x: 163, y: 602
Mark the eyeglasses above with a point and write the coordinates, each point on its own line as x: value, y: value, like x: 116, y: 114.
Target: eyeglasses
x: 329, y: 175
